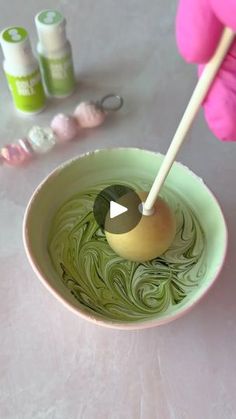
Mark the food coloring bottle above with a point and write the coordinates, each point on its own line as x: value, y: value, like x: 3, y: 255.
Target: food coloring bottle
x: 55, y: 55
x: 22, y: 71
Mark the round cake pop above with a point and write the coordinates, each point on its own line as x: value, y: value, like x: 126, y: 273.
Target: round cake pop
x: 41, y: 139
x: 65, y: 127
x: 89, y: 115
x: 151, y: 237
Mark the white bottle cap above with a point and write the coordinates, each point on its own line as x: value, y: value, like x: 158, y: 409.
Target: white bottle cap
x: 51, y: 30
x: 16, y: 46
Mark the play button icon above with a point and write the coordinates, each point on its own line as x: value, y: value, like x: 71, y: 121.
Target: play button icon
x: 116, y: 209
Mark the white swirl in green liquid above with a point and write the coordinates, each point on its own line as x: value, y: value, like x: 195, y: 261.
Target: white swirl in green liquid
x: 115, y: 288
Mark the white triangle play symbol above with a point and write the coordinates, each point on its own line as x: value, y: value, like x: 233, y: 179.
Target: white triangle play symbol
x: 116, y: 209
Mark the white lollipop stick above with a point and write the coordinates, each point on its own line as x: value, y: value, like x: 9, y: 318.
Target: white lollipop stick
x: 194, y: 104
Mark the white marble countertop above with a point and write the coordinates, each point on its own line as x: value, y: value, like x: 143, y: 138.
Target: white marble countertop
x: 54, y: 365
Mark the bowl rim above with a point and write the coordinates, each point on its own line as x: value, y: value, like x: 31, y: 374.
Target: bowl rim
x: 90, y: 317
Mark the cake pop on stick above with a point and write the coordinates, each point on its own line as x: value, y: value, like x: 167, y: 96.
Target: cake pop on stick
x: 156, y: 230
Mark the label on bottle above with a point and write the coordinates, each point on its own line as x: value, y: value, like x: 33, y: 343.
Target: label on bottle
x: 58, y: 75
x: 27, y: 92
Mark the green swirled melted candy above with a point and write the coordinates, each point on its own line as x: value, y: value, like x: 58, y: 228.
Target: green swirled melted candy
x: 117, y: 289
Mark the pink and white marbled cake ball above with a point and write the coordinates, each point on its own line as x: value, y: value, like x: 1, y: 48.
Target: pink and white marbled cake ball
x: 65, y: 127
x: 89, y: 115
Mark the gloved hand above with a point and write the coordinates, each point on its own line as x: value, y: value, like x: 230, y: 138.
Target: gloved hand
x: 199, y: 25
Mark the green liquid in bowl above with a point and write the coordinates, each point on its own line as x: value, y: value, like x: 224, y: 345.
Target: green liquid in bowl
x: 116, y: 288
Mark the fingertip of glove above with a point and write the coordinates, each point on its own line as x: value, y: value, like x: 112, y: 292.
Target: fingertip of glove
x: 220, y: 111
x: 193, y: 53
x: 194, y: 22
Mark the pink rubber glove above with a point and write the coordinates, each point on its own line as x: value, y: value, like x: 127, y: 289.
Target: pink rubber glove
x: 199, y: 26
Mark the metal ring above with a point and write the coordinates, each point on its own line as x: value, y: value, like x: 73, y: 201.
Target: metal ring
x: 110, y: 108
